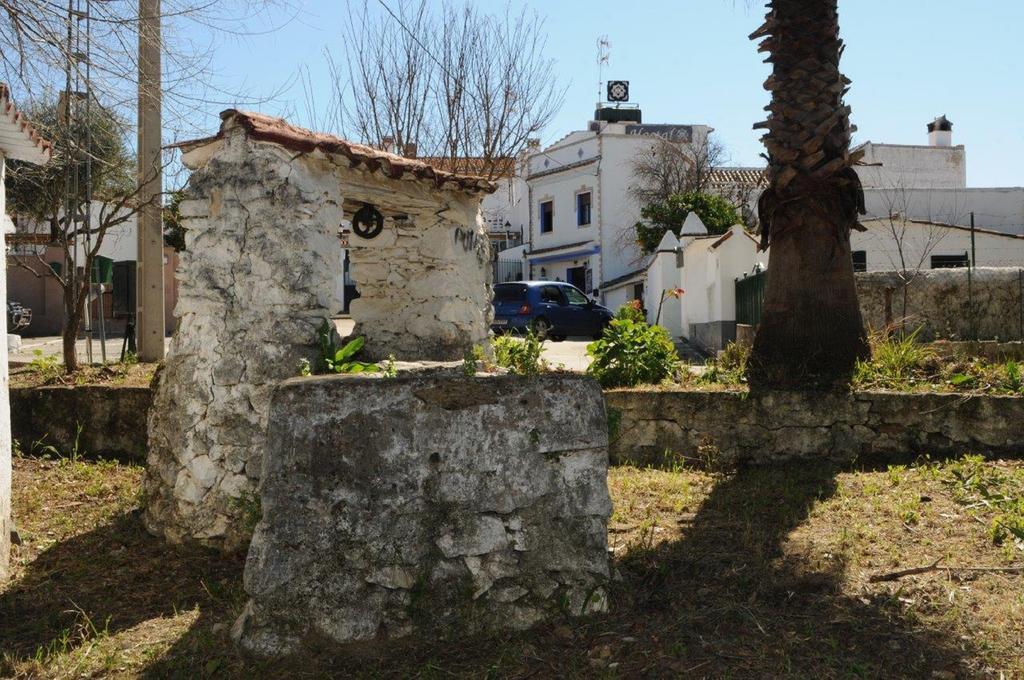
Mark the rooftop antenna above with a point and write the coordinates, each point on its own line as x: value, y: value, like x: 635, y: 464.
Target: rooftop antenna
x: 604, y: 52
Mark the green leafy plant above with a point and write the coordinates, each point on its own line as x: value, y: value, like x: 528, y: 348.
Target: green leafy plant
x: 896, y: 361
x: 729, y: 367
x: 521, y: 356
x: 632, y: 353
x: 390, y: 371
x: 1013, y: 381
x: 631, y: 311
x: 717, y: 214
x: 47, y: 367
x: 334, y: 359
x: 990, y: 489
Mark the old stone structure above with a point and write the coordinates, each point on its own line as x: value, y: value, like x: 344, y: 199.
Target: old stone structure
x: 427, y: 504
x: 737, y: 427
x: 266, y: 203
x: 938, y: 300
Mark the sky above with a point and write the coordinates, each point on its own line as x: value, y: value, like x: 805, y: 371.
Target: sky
x: 689, y: 61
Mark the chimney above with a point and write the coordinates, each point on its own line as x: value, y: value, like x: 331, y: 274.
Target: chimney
x: 387, y: 144
x: 409, y: 150
x: 533, y: 144
x: 940, y: 132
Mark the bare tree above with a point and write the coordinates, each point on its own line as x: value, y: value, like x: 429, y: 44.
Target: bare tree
x: 447, y: 82
x: 671, y: 166
x: 912, y: 242
x: 55, y: 197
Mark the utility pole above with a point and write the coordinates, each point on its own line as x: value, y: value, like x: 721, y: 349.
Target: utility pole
x: 150, y: 271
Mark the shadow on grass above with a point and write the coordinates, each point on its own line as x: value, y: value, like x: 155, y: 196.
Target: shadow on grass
x: 106, y: 581
x: 726, y: 600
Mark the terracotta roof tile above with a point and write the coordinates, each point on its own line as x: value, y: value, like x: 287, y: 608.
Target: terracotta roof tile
x: 33, y: 147
x: 279, y: 131
x: 503, y: 166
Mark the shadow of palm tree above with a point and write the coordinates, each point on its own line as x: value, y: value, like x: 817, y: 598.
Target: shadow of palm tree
x: 730, y: 598
x: 105, y: 581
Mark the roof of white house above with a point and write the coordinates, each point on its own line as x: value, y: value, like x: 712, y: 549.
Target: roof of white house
x: 266, y: 128
x: 18, y: 139
x: 693, y: 226
x: 885, y: 222
x: 669, y: 241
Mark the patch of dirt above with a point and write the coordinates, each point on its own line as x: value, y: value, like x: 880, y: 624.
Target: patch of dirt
x: 762, y: 573
x: 39, y: 375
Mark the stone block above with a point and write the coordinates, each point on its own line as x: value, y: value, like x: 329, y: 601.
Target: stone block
x: 426, y: 504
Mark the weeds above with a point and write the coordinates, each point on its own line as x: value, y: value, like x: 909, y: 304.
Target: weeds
x: 993, y: 491
x: 334, y: 359
x: 520, y: 356
x: 46, y: 367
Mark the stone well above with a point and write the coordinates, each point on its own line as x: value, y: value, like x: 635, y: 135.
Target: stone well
x: 265, y: 206
x: 426, y: 504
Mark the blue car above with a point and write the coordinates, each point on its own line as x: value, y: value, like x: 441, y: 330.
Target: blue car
x: 552, y: 309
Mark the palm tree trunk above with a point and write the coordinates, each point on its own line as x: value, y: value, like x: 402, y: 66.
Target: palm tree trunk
x: 811, y: 332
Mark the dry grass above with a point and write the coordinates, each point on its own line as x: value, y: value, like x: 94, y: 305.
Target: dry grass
x: 45, y: 371
x: 763, y: 573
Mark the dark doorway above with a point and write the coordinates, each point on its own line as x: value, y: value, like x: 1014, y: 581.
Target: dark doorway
x: 577, y: 276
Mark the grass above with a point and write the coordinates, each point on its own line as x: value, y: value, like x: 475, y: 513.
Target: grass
x: 47, y: 370
x: 898, y: 362
x: 760, y: 573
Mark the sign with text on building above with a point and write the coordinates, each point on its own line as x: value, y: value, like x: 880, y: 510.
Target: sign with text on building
x: 676, y: 133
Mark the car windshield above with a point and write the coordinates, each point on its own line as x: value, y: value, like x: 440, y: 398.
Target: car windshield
x: 509, y: 293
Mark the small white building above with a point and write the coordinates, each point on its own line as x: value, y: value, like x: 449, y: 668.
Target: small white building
x: 18, y: 141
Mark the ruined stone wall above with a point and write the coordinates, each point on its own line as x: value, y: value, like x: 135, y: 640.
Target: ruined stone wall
x: 256, y: 280
x: 423, y: 284
x: 258, y: 277
x: 652, y: 427
x: 427, y: 504
x: 938, y: 300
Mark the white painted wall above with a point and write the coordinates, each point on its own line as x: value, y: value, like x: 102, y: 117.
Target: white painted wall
x: 1000, y: 208
x: 920, y: 241
x: 912, y: 166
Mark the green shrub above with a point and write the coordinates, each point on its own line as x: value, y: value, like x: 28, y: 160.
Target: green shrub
x: 631, y: 311
x: 632, y: 353
x: 519, y: 355
x: 729, y: 367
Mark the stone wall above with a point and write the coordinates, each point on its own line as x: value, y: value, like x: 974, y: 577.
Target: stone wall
x: 424, y: 286
x: 259, y: 276
x: 256, y: 281
x: 653, y: 426
x: 427, y: 504
x: 938, y: 300
x: 112, y: 419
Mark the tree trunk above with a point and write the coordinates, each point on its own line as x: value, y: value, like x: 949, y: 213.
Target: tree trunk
x: 811, y: 332
x: 76, y: 296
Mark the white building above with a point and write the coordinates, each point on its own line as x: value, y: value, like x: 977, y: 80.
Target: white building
x: 578, y: 209
x: 901, y: 244
x: 20, y: 142
x: 929, y: 182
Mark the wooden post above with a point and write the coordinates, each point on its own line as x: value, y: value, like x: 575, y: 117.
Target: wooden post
x: 150, y: 271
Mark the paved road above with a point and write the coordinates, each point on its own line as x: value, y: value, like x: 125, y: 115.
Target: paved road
x: 571, y: 353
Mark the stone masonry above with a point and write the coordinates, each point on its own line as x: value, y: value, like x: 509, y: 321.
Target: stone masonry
x: 266, y: 202
x: 658, y: 426
x: 938, y: 301
x: 426, y: 504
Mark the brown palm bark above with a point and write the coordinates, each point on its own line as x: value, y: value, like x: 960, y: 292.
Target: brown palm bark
x: 811, y: 332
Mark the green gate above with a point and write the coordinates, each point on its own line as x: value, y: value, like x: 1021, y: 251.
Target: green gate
x: 749, y: 297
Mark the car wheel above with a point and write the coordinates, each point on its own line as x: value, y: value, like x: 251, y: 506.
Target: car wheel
x: 541, y: 328
x: 600, y: 331
x: 557, y: 338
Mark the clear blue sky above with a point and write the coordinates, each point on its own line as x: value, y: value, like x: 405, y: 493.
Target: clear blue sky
x: 689, y: 61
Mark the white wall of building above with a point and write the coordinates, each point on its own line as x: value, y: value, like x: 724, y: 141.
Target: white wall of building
x: 1000, y: 208
x: 917, y: 166
x: 884, y: 240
